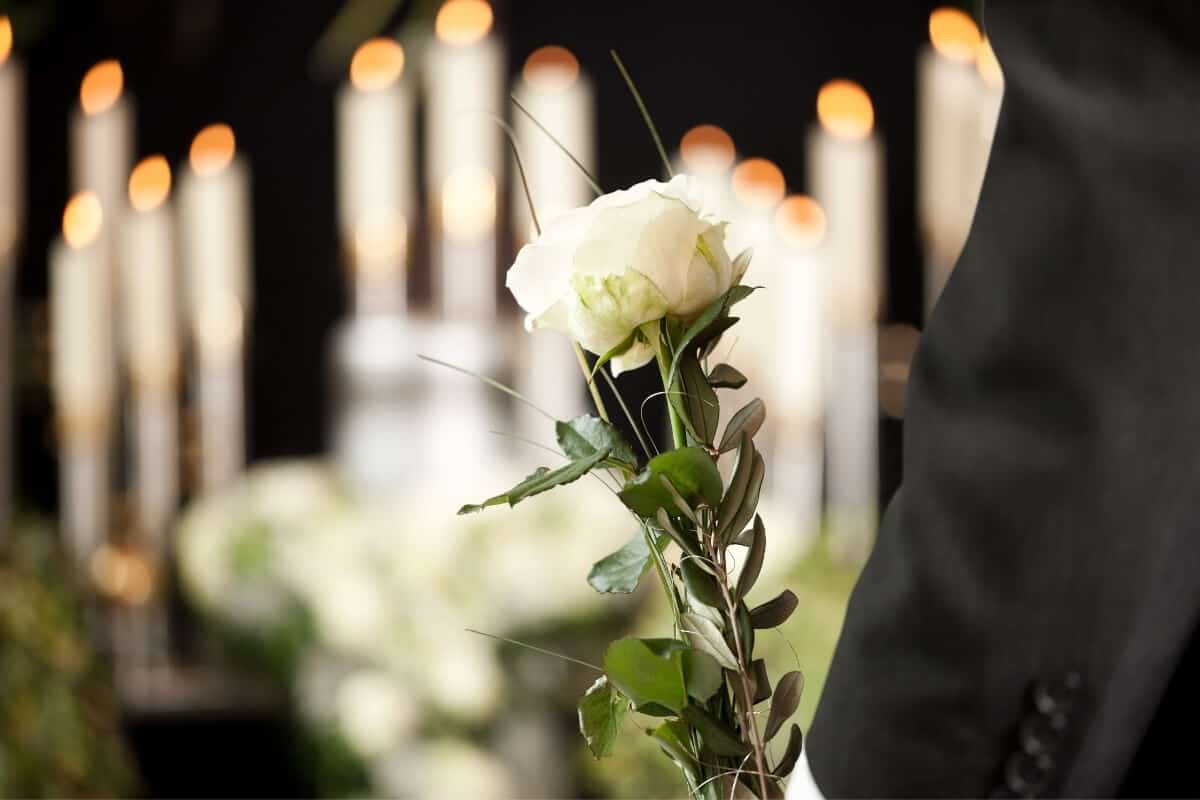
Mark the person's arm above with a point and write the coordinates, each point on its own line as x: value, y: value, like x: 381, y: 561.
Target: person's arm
x: 1034, y: 579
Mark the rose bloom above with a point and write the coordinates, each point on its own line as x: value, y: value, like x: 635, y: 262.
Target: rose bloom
x: 632, y: 257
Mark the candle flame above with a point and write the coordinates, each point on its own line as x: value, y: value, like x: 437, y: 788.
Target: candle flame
x: 988, y: 65
x: 844, y: 109
x: 954, y: 34
x: 123, y: 575
x: 758, y: 183
x: 149, y: 183
x: 377, y: 64
x: 101, y: 87
x: 6, y: 38
x: 212, y: 149
x: 82, y: 220
x: 463, y: 22
x: 219, y: 326
x: 551, y: 69
x: 469, y: 202
x: 707, y: 150
x: 800, y: 221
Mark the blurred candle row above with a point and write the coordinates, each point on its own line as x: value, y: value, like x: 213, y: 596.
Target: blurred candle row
x: 148, y: 268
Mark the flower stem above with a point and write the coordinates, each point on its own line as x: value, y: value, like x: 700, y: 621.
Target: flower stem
x: 664, y: 371
x: 591, y: 384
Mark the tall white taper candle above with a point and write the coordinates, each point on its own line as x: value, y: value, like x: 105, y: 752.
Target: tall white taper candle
x: 556, y: 93
x: 464, y: 70
x: 82, y: 373
x: 846, y: 168
x: 949, y: 93
x: 375, y: 135
x: 102, y: 140
x: 215, y: 225
x: 12, y: 207
x: 149, y: 299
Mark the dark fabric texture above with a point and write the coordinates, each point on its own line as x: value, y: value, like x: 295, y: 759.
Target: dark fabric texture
x: 1049, y: 518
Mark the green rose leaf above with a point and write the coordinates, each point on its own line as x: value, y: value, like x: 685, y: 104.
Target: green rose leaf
x: 649, y: 672
x: 715, y: 311
x: 700, y: 582
x: 601, y: 712
x: 695, y: 401
x: 691, y: 471
x: 717, y: 736
x: 543, y: 480
x: 621, y: 571
x: 674, y: 738
x: 702, y: 674
x: 723, y: 376
x: 586, y: 435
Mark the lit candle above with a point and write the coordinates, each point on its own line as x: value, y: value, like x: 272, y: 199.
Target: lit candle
x: 151, y: 341
x: 214, y: 214
x: 992, y: 79
x: 12, y: 188
x: 949, y: 94
x: 707, y: 153
x: 82, y: 372
x: 560, y: 97
x: 464, y: 72
x: 375, y: 135
x: 758, y: 187
x: 102, y: 139
x: 846, y: 165
x: 798, y: 370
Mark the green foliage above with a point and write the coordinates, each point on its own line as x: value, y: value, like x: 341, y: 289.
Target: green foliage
x: 621, y: 571
x: 659, y: 675
x: 601, y: 712
x: 723, y: 376
x: 692, y: 473
x: 542, y: 480
x: 584, y: 436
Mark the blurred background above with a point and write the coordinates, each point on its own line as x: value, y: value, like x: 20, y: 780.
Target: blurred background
x: 231, y: 565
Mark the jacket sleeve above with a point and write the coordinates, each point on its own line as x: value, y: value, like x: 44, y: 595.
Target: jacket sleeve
x: 1032, y: 584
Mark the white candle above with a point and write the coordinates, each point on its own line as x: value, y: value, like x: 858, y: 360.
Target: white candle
x: 375, y: 136
x: 12, y: 189
x: 846, y: 168
x: 553, y: 89
x: 992, y: 78
x: 464, y: 71
x: 102, y: 139
x: 798, y: 363
x: 949, y: 94
x: 12, y: 141
x: 215, y: 226
x: 757, y: 186
x: 151, y: 343
x: 707, y: 153
x: 82, y: 372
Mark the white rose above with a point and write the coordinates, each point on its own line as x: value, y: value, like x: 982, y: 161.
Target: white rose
x: 630, y: 258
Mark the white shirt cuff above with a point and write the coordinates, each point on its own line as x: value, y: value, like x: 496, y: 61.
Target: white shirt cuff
x: 802, y: 786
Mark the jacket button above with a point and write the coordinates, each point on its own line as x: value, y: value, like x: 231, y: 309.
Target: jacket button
x: 1041, y: 733
x: 1054, y: 697
x: 1027, y: 775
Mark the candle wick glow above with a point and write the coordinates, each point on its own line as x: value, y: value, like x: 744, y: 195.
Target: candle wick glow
x: 212, y: 149
x: 707, y: 150
x: 101, y: 87
x: 801, y: 221
x: 6, y: 38
x: 376, y: 65
x: 463, y: 22
x: 844, y: 110
x: 149, y: 183
x: 82, y: 220
x: 551, y: 69
x: 954, y: 35
x: 758, y: 184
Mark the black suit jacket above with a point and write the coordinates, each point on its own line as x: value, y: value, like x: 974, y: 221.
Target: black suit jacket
x: 1036, y: 580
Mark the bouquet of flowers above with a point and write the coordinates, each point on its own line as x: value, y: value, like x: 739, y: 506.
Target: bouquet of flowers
x: 643, y: 275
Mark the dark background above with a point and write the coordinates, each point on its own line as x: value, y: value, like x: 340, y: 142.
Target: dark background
x: 752, y: 67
